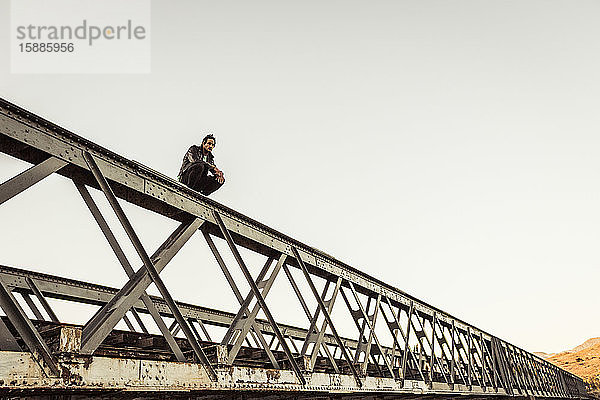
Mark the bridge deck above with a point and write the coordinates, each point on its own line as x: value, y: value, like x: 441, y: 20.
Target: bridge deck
x: 425, y: 350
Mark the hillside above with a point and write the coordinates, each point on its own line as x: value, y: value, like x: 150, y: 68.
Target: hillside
x: 583, y: 360
x: 543, y: 355
x: 588, y: 343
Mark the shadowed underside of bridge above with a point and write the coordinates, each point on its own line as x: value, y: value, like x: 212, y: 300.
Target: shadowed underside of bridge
x: 397, y: 346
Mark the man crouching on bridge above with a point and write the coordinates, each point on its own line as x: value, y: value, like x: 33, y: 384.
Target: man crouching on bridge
x: 198, y: 170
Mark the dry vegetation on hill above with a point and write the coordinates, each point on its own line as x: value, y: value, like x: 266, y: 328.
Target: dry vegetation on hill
x: 584, y: 361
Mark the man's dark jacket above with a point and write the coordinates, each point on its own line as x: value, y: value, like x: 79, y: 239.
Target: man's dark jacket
x: 194, y: 155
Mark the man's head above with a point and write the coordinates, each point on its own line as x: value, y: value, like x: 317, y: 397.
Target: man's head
x: 208, y: 143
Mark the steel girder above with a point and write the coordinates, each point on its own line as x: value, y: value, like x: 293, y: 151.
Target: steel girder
x: 422, y: 347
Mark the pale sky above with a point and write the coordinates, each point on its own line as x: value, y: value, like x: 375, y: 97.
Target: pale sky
x: 448, y: 148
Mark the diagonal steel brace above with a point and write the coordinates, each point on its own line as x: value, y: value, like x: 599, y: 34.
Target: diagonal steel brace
x: 357, y: 316
x: 327, y: 316
x: 259, y: 336
x: 312, y: 329
x: 120, y: 254
x: 32, y: 306
x: 431, y: 346
x: 36, y: 291
x: 29, y: 177
x: 252, y: 316
x: 321, y: 333
x: 372, y: 334
x: 310, y: 318
x: 113, y: 311
x: 244, y: 303
x: 39, y: 349
x: 148, y: 264
x: 258, y: 296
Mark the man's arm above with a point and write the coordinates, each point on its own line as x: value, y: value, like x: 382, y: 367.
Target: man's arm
x: 216, y: 171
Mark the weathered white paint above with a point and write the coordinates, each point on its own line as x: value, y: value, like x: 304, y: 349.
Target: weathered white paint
x: 19, y: 370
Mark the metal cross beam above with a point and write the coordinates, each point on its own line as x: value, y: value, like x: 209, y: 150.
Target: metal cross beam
x: 258, y: 296
x: 326, y: 313
x: 96, y: 330
x: 312, y: 330
x: 372, y: 335
x: 148, y: 264
x: 329, y: 303
x: 244, y: 309
x: 30, y: 177
x: 120, y: 254
x: 244, y: 303
x: 249, y: 322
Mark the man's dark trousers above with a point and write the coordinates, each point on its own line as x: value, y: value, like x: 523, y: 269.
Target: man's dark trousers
x: 196, y: 177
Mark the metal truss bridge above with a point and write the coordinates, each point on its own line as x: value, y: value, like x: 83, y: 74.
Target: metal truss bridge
x: 396, y: 346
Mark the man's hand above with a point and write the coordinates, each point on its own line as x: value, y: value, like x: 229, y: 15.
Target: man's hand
x: 218, y: 174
